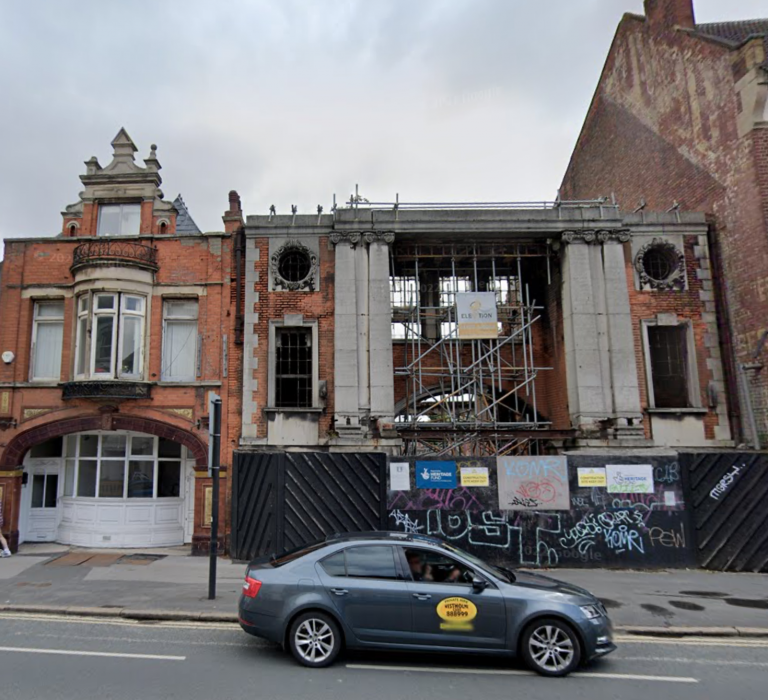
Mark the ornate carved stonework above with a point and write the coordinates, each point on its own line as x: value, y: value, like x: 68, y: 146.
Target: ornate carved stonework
x: 354, y: 237
x: 29, y: 413
x: 183, y: 412
x: 598, y: 236
x: 673, y: 261
x: 307, y: 281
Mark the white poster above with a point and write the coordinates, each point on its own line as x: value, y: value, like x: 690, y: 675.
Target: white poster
x: 476, y: 315
x: 629, y: 478
x: 399, y: 476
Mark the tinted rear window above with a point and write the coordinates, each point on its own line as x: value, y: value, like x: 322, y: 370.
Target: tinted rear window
x: 334, y: 565
x: 295, y: 554
x: 376, y: 561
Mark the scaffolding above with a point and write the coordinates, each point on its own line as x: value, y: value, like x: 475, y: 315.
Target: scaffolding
x: 470, y: 397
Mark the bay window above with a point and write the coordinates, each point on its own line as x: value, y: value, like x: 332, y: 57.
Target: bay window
x: 47, y: 336
x: 122, y: 465
x: 115, y: 348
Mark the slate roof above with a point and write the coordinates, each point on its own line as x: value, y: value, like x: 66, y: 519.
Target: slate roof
x: 737, y: 32
x: 185, y: 224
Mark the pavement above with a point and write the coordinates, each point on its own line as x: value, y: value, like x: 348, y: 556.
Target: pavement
x: 72, y: 658
x: 169, y: 584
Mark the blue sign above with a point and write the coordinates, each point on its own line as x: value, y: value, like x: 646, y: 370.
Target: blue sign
x: 436, y: 475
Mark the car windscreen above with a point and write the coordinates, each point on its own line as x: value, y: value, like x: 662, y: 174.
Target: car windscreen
x: 480, y: 564
x: 293, y: 554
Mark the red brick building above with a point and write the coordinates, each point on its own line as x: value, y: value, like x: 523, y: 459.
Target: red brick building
x: 112, y: 335
x: 680, y: 120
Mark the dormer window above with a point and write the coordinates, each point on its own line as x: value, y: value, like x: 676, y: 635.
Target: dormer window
x: 119, y: 219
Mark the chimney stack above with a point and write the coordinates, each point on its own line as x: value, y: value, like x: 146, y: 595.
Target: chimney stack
x: 670, y: 13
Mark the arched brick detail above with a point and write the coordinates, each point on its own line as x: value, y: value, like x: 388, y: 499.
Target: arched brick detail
x: 18, y: 446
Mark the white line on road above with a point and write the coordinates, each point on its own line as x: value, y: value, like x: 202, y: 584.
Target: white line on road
x: 125, y: 622
x: 695, y: 641
x: 115, y: 655
x: 503, y: 672
x: 705, y: 662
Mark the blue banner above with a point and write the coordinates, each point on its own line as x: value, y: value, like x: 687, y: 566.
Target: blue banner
x: 436, y: 475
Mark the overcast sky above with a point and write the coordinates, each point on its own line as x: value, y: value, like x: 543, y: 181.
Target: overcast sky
x: 289, y: 101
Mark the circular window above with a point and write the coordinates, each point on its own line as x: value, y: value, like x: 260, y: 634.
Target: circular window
x: 294, y: 265
x: 660, y: 262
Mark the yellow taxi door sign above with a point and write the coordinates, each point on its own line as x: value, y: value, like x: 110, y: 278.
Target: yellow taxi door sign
x: 456, y: 613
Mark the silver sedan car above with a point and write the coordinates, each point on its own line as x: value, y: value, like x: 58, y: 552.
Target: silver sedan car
x: 390, y: 590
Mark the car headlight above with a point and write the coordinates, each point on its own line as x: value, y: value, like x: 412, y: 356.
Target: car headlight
x: 591, y: 611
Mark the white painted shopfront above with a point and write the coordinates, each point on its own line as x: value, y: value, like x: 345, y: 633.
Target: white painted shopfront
x: 108, y: 489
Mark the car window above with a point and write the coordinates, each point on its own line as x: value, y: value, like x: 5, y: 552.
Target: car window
x: 294, y: 554
x: 434, y: 567
x: 334, y: 565
x: 376, y: 561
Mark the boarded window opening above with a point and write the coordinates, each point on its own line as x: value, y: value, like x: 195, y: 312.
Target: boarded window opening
x: 293, y: 368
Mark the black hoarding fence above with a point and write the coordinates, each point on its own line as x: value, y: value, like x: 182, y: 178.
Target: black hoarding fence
x: 728, y: 500
x: 284, y: 500
x: 590, y: 528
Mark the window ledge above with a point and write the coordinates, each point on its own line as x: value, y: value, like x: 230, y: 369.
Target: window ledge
x: 168, y: 382
x: 272, y: 409
x: 677, y: 411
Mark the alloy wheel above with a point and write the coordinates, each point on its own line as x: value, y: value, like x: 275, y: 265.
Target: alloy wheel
x: 314, y: 640
x: 551, y: 648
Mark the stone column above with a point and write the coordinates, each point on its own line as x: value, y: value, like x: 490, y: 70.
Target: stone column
x: 599, y: 343
x: 380, y: 329
x: 623, y: 362
x: 345, y: 375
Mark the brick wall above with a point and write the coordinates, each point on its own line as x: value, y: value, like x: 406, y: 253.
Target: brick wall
x: 663, y: 128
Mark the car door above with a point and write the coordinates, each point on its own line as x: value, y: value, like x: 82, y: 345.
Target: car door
x: 447, y: 610
x: 369, y: 591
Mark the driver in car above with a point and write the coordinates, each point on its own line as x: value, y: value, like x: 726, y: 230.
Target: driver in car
x: 423, y: 572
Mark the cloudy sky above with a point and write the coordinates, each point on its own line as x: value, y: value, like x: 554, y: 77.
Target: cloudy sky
x: 291, y: 101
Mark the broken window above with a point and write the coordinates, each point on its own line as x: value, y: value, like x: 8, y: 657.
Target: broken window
x: 668, y: 352
x: 293, y: 368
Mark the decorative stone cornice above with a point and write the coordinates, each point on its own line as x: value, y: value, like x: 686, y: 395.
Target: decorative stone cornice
x: 355, y: 237
x: 597, y: 236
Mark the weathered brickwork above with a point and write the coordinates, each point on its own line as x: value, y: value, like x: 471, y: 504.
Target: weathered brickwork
x: 673, y: 121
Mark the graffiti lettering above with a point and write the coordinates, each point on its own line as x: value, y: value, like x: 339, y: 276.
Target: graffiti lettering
x: 406, y: 522
x: 667, y: 473
x: 725, y: 483
x: 659, y: 537
x: 446, y: 499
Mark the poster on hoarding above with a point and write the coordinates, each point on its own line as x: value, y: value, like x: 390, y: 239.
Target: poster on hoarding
x: 533, y: 483
x: 476, y: 315
x: 629, y: 478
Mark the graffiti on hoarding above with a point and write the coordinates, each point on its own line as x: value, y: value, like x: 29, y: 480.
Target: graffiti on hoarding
x: 725, y: 483
x: 671, y: 538
x: 461, y: 498
x: 405, y: 522
x: 667, y: 473
x: 620, y: 530
x: 531, y: 483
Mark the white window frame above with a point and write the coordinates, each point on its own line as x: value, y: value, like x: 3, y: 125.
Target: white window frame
x: 89, y: 310
x: 41, y: 321
x: 692, y: 378
x: 119, y: 207
x: 73, y: 461
x: 170, y: 319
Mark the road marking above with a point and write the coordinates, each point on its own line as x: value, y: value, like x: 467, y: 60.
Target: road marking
x: 114, y: 655
x: 504, y: 672
x: 705, y: 662
x: 125, y: 622
x: 694, y: 641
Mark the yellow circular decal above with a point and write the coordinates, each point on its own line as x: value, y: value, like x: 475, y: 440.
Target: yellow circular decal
x: 457, y: 613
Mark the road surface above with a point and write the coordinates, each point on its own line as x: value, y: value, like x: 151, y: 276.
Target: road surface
x: 82, y: 659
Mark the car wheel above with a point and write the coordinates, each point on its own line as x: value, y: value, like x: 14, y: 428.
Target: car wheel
x: 550, y: 647
x: 315, y: 639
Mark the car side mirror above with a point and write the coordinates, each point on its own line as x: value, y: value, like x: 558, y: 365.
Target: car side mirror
x: 479, y: 584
